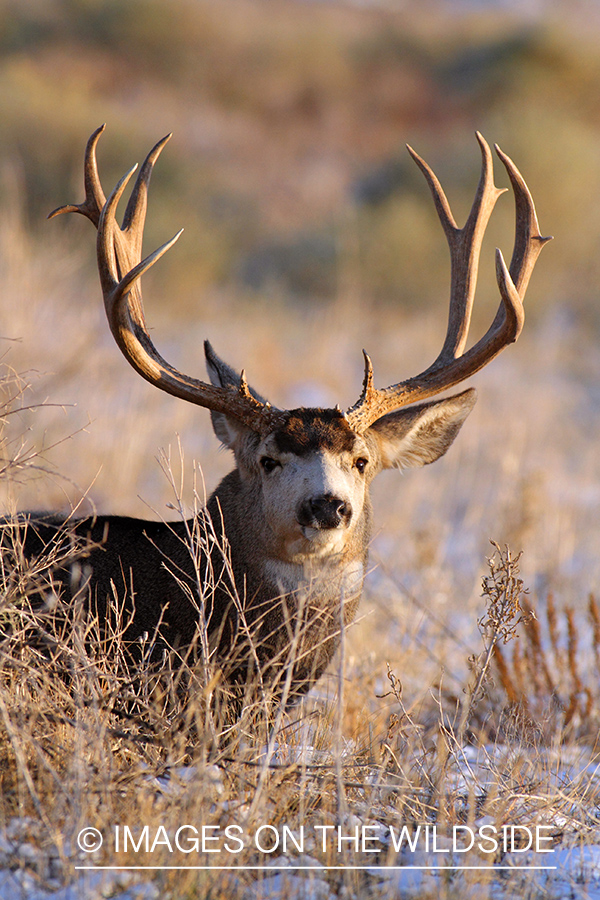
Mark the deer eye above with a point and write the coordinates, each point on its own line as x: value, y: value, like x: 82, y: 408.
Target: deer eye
x: 361, y: 464
x: 269, y: 464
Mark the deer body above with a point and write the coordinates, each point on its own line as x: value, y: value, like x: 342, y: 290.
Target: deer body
x: 273, y: 569
x: 295, y: 559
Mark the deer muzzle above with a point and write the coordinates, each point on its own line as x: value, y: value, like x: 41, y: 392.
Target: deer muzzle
x: 324, y: 511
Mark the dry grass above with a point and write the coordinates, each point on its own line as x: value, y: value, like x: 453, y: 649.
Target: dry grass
x: 84, y: 741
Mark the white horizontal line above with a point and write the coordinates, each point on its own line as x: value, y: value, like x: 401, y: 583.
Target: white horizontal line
x: 490, y: 868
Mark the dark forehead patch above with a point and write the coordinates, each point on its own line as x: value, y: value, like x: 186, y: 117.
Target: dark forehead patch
x: 308, y: 430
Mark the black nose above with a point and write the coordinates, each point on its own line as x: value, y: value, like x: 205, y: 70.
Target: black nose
x: 324, y: 511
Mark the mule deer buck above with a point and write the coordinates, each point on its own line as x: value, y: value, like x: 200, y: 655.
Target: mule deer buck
x: 281, y: 548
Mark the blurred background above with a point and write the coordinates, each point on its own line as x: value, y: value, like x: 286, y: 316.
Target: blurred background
x: 309, y: 234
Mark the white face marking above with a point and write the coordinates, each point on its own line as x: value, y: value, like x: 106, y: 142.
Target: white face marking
x: 291, y: 483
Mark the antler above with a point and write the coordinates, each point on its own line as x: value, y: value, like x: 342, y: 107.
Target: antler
x: 120, y: 263
x: 453, y: 365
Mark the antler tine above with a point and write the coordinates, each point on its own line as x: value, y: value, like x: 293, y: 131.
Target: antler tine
x: 94, y: 195
x: 120, y: 275
x: 114, y: 251
x: 135, y: 213
x: 465, y: 246
x: 528, y: 237
x: 513, y: 282
x: 121, y: 268
x: 452, y: 364
x: 124, y: 244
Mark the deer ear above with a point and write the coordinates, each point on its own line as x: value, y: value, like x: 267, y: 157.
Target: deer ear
x: 226, y: 428
x: 418, y: 435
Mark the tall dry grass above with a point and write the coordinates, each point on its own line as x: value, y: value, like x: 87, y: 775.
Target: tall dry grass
x: 86, y: 742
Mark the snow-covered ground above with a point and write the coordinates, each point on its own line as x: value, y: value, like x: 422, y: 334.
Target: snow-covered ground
x: 561, y: 813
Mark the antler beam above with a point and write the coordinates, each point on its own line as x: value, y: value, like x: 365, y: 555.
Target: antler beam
x: 120, y: 264
x: 453, y: 365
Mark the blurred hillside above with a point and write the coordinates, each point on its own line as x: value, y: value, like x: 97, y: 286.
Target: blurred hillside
x: 288, y: 168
